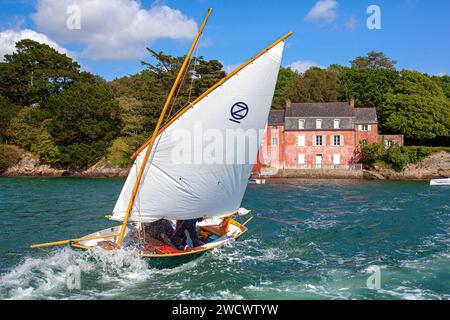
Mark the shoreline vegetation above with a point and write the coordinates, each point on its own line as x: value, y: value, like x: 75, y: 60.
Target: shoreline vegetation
x: 433, y: 165
x: 56, y: 120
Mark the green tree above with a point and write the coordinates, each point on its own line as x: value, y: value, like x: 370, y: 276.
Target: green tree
x: 8, y: 111
x: 25, y: 128
x: 368, y: 87
x: 315, y: 85
x: 417, y: 108
x: 9, y: 156
x: 373, y: 60
x: 84, y: 120
x: 132, y: 111
x: 286, y: 79
x: 45, y: 147
x: 34, y: 72
x: 151, y: 87
x: 444, y: 83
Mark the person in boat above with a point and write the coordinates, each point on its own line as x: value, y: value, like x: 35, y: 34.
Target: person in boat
x: 179, y: 238
x: 160, y: 230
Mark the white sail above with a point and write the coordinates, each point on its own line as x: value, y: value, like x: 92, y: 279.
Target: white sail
x: 173, y: 190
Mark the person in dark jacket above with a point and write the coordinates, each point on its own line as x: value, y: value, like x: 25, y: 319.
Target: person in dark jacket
x: 179, y: 238
x: 160, y: 230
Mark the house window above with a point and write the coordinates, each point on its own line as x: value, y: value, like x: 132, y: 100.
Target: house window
x: 319, y: 140
x: 364, y: 127
x: 301, y: 141
x: 301, y: 124
x: 274, y: 141
x: 337, y: 124
x: 338, y: 141
x: 336, y: 159
x: 301, y: 158
x: 389, y: 143
x: 319, y: 124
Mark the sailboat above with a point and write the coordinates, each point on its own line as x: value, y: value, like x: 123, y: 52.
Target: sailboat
x: 159, y: 188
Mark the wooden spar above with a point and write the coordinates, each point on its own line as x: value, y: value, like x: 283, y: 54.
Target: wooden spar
x: 57, y: 243
x: 193, y: 103
x: 155, y: 132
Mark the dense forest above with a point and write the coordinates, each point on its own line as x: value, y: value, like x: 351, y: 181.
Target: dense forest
x: 72, y: 118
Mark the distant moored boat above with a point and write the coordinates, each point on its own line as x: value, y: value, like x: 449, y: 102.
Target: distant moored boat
x: 440, y: 182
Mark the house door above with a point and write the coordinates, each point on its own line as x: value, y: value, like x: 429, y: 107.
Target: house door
x: 336, y: 159
x: 318, y: 161
x: 301, y: 159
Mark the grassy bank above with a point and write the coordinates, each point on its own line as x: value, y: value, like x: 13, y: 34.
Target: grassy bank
x: 395, y: 157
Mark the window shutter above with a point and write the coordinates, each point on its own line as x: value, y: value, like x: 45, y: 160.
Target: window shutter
x: 359, y: 127
x: 342, y: 140
x: 324, y: 141
x: 369, y: 127
x: 314, y: 140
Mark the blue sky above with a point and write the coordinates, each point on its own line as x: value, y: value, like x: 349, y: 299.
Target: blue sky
x: 414, y: 32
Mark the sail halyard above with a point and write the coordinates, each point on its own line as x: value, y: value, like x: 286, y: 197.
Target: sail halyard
x: 191, y: 191
x: 155, y: 133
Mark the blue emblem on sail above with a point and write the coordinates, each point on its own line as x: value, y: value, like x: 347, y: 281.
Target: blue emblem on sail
x: 238, y: 111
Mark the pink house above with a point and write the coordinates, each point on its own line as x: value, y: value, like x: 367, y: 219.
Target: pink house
x: 317, y: 135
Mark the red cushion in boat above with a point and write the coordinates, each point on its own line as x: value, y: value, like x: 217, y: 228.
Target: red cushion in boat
x: 165, y: 249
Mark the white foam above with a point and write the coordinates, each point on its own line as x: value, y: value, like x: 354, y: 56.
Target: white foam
x: 46, y: 277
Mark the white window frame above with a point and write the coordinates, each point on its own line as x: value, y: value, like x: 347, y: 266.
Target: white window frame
x: 304, y: 141
x: 341, y: 140
x: 319, y: 123
x: 323, y: 138
x: 364, y: 127
x: 337, y: 124
x: 301, y: 124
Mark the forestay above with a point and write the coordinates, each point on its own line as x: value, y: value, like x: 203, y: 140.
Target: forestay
x: 191, y: 187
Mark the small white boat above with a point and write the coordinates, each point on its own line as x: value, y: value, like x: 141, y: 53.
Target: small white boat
x: 440, y: 182
x: 257, y: 181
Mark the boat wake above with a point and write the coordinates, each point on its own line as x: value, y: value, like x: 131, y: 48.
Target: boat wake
x: 56, y: 275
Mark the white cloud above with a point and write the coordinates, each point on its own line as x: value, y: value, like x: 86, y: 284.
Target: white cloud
x: 8, y: 39
x: 441, y: 74
x: 323, y: 11
x: 351, y: 23
x: 302, y: 66
x: 228, y: 68
x: 113, y: 29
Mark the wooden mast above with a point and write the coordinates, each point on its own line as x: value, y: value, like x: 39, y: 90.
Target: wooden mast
x: 207, y: 92
x: 156, y: 131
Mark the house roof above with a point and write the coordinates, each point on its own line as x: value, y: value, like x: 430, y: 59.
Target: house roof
x: 276, y: 117
x: 327, y: 111
x: 366, y: 115
x: 323, y: 109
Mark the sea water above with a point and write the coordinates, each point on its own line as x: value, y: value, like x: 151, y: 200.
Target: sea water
x: 310, y: 239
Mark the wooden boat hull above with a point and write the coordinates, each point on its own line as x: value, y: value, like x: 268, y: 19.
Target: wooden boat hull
x: 168, y: 260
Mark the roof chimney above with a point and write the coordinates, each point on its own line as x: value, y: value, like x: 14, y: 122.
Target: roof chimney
x: 352, y: 102
x: 288, y: 103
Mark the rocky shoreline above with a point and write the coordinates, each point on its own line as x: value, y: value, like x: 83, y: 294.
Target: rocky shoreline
x: 435, y: 166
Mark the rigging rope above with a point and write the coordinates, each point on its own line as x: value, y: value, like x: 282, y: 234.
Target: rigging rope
x: 186, y: 72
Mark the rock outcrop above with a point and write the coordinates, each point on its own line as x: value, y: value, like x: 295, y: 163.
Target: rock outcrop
x: 30, y: 165
x: 103, y: 169
x: 435, y: 166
